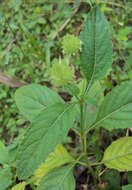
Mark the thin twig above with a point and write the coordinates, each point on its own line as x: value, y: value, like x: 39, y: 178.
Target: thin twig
x: 114, y: 4
x: 66, y: 22
x: 10, y: 81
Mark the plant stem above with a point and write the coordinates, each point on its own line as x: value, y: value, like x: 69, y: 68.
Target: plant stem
x: 91, y: 170
x: 83, y: 136
x: 83, y: 139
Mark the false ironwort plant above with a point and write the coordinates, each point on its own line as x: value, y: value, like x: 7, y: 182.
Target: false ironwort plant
x: 41, y: 154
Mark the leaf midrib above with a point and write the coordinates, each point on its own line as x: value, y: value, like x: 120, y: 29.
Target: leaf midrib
x: 38, y: 101
x: 117, y: 157
x: 99, y: 121
x: 94, y: 59
x: 67, y: 173
x: 54, y: 122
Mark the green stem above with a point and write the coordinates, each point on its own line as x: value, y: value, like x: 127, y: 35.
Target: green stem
x: 83, y: 136
x: 91, y: 170
x: 83, y: 139
x: 82, y: 163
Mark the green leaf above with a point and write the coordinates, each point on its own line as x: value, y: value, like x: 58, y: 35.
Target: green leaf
x: 129, y: 177
x: 76, y: 2
x: 19, y: 186
x: 112, y: 178
x: 16, y: 4
x: 4, y: 156
x: 90, y: 2
x: 55, y: 159
x: 116, y: 110
x: 58, y: 179
x: 96, y: 56
x: 123, y: 33
x: 119, y: 155
x: 5, y: 178
x: 96, y: 94
x: 127, y: 187
x: 72, y: 89
x: 92, y: 102
x: 33, y: 98
x: 128, y: 64
x: 49, y: 129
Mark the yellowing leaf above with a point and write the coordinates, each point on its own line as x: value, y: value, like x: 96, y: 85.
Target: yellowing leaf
x: 119, y: 155
x: 20, y: 186
x: 58, y: 179
x: 55, y: 159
